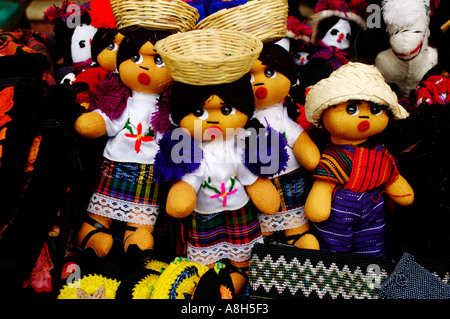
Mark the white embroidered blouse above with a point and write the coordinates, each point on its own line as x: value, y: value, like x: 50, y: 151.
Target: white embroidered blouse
x: 221, y: 178
x: 277, y: 117
x: 132, y: 139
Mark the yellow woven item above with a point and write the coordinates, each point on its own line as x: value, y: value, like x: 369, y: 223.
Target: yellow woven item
x: 144, y: 288
x: 178, y: 280
x: 265, y: 19
x: 158, y: 15
x: 208, y: 57
x: 352, y: 81
x: 90, y: 284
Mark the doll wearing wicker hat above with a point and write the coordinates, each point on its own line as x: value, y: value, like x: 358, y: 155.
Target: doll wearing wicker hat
x: 346, y: 201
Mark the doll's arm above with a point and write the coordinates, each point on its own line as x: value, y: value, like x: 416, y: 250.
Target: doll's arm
x: 181, y: 200
x: 306, y: 151
x: 318, y: 203
x: 264, y: 195
x: 90, y: 125
x: 400, y: 192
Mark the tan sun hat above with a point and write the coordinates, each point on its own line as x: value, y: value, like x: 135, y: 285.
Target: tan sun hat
x: 352, y: 81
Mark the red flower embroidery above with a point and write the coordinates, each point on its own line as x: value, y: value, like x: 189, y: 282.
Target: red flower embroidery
x: 139, y: 138
x: 224, y: 194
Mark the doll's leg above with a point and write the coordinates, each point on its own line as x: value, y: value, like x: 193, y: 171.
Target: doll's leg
x: 301, y: 238
x: 369, y: 233
x: 239, y: 275
x: 95, y: 233
x: 139, y: 235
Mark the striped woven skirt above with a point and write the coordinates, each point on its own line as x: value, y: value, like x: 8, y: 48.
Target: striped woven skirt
x: 126, y: 192
x: 293, y: 189
x: 356, y: 224
x: 227, y: 234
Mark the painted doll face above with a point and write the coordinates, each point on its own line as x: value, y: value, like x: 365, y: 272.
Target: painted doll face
x: 80, y: 46
x: 301, y: 58
x: 107, y: 58
x: 145, y: 71
x: 269, y: 86
x: 407, y: 42
x: 339, y: 35
x: 355, y: 121
x: 215, y: 119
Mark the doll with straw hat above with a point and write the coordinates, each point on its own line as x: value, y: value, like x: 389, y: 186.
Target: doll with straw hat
x: 346, y: 201
x: 126, y: 190
x: 212, y: 102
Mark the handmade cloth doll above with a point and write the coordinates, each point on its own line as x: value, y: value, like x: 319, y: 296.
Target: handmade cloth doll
x: 102, y: 78
x: 126, y: 190
x: 73, y: 35
x: 273, y: 76
x: 409, y: 57
x: 335, y: 25
x: 346, y: 201
x: 221, y: 196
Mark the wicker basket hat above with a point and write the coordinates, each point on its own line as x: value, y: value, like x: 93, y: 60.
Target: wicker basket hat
x: 265, y: 19
x: 156, y: 15
x: 209, y: 57
x: 352, y: 81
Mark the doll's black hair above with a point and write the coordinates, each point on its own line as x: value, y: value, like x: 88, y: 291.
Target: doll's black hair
x: 184, y: 98
x: 102, y: 38
x: 280, y: 60
x: 134, y: 40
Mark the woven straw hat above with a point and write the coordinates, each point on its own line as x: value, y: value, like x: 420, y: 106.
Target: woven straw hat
x: 352, y: 81
x: 265, y: 19
x: 208, y: 57
x: 157, y: 15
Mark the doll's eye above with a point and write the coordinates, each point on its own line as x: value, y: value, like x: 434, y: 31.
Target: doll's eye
x: 228, y: 110
x: 159, y: 61
x: 270, y: 73
x: 334, y: 32
x: 137, y: 58
x: 112, y: 46
x: 201, y: 113
x: 82, y: 43
x: 376, y: 109
x: 252, y: 78
x: 352, y: 109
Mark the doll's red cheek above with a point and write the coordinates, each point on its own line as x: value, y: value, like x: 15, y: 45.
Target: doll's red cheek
x: 363, y: 126
x: 143, y: 78
x: 261, y: 93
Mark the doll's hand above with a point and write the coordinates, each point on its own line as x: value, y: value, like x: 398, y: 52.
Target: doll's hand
x: 90, y: 125
x: 181, y: 200
x: 400, y: 192
x: 318, y: 203
x: 264, y: 195
x: 306, y: 151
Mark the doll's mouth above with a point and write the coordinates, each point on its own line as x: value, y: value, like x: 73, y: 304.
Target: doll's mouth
x: 144, y: 78
x: 410, y: 55
x: 363, y: 126
x: 261, y: 93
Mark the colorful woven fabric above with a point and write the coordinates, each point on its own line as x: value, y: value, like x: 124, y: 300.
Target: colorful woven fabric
x: 227, y: 234
x: 293, y: 189
x: 126, y: 192
x: 286, y: 272
x: 357, y: 168
x: 356, y: 224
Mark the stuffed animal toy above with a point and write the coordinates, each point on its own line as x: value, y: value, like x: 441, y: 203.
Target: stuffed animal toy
x: 126, y: 190
x: 335, y: 25
x: 273, y: 79
x: 73, y: 35
x: 346, y: 201
x: 221, y: 196
x: 405, y: 63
